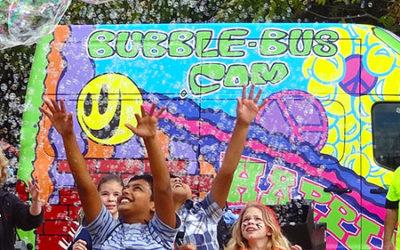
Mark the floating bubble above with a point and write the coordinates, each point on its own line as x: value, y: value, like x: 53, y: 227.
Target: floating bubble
x: 24, y: 22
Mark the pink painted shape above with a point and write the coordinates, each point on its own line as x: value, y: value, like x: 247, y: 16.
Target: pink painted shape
x: 352, y: 67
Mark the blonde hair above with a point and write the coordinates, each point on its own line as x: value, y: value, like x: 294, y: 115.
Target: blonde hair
x: 276, y: 241
x: 3, y: 167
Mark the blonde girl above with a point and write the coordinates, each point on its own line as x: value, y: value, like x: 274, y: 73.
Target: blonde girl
x: 258, y: 228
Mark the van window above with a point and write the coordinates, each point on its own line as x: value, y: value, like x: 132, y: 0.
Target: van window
x: 386, y: 133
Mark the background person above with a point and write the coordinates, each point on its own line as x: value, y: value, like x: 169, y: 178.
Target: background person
x: 110, y: 189
x: 14, y: 213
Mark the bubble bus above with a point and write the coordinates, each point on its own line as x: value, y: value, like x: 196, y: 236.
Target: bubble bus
x: 328, y: 132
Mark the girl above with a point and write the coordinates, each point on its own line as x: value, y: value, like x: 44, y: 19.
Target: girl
x: 257, y: 228
x: 109, y: 188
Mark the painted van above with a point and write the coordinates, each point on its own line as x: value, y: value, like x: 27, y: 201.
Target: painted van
x: 333, y: 97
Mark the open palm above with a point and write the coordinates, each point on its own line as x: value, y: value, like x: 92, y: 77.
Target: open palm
x: 58, y: 116
x: 33, y: 190
x: 147, y: 123
x: 247, y: 108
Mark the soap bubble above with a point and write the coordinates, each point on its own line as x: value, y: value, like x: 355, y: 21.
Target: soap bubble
x: 25, y: 22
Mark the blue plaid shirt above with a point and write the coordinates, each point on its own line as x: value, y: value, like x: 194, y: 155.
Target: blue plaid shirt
x: 199, y: 223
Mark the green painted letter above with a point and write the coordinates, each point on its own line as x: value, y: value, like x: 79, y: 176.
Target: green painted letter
x: 128, y: 45
x: 178, y: 46
x: 326, y: 46
x: 203, y: 39
x: 300, y: 42
x: 261, y: 73
x: 230, y: 38
x: 98, y: 44
x: 212, y: 71
x: 236, y: 76
x: 270, y: 44
x: 152, y: 47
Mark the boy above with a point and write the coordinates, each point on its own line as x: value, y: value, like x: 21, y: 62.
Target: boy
x: 147, y: 217
x: 200, y: 219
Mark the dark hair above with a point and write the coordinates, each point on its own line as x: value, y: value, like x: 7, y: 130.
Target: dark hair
x: 147, y: 178
x: 108, y: 178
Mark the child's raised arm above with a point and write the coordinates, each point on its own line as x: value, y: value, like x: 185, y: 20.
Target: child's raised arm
x: 147, y: 129
x: 62, y: 121
x: 247, y: 110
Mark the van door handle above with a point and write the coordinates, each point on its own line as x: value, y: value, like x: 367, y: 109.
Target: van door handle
x: 336, y: 189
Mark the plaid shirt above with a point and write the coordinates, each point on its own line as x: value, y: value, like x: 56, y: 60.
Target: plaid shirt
x: 199, y: 223
x: 108, y: 233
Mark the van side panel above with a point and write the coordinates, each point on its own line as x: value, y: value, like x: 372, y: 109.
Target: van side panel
x: 319, y: 81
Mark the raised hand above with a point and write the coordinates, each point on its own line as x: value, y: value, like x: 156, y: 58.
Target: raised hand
x: 146, y: 123
x: 34, y: 190
x: 247, y: 108
x: 62, y: 121
x: 59, y: 117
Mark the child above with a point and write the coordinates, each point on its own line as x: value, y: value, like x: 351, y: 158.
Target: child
x: 146, y: 211
x: 200, y: 219
x: 258, y: 228
x: 110, y: 189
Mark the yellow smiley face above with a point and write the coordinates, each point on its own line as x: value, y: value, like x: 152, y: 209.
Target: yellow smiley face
x: 105, y: 105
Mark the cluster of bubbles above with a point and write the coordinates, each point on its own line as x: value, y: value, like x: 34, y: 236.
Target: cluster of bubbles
x: 25, y: 22
x: 294, y: 212
x: 15, y: 66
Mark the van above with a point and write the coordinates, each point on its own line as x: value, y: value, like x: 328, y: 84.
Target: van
x: 329, y: 131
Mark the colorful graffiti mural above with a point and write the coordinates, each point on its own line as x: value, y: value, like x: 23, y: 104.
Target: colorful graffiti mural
x: 320, y: 82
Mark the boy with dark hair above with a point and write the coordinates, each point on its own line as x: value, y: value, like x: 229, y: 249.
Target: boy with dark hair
x: 200, y: 219
x: 145, y: 223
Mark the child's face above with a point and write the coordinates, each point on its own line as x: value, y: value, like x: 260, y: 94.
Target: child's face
x: 109, y: 193
x: 180, y: 189
x: 253, y: 226
x: 135, y: 198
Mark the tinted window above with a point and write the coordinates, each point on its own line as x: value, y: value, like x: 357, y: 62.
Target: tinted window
x: 386, y: 134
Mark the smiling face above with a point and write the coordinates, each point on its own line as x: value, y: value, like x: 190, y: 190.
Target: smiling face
x: 135, y: 203
x: 109, y: 193
x: 253, y: 226
x: 180, y: 191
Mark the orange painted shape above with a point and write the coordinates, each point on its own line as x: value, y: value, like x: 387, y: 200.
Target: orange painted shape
x: 44, y: 161
x: 96, y: 150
